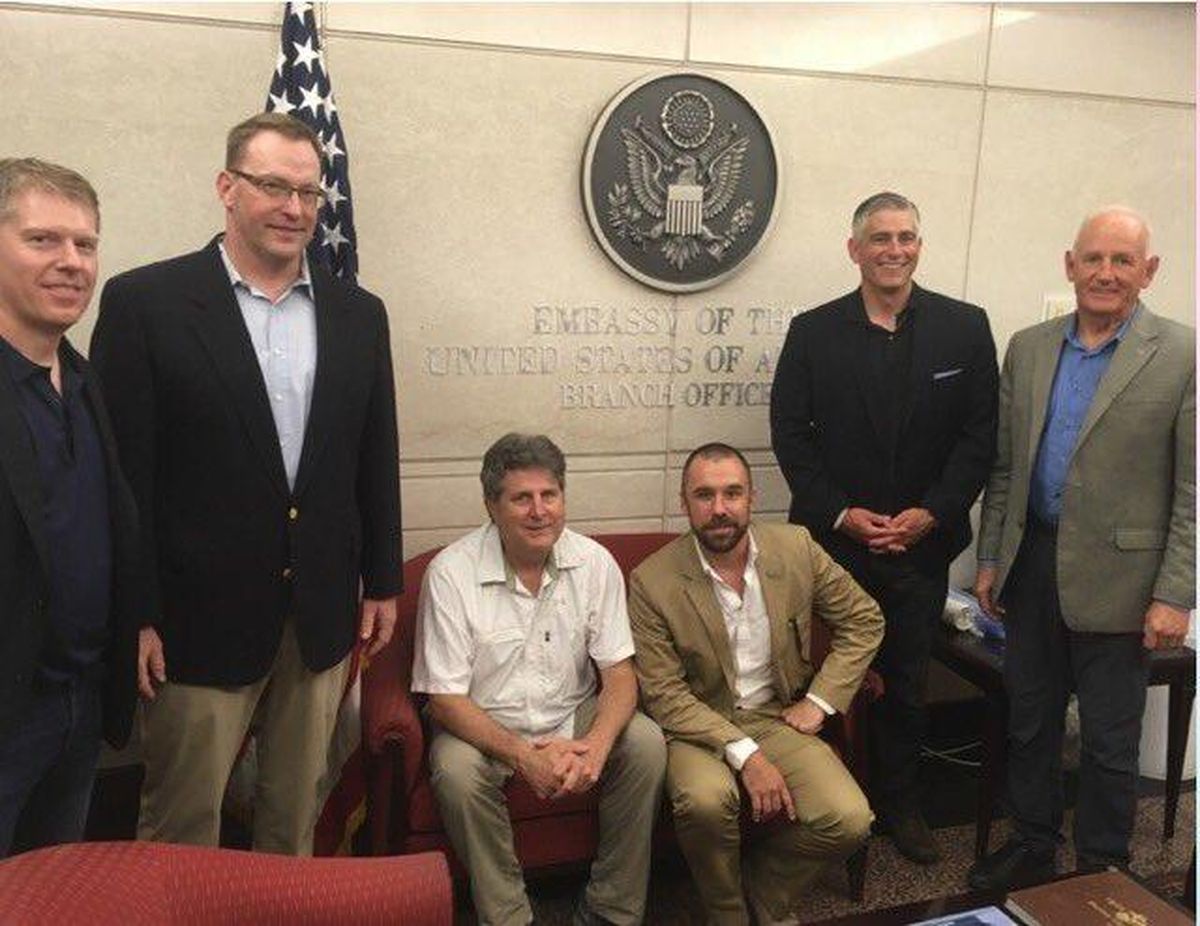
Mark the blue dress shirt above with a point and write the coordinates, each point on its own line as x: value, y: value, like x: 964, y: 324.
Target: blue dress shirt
x: 1079, y: 373
x: 284, y: 335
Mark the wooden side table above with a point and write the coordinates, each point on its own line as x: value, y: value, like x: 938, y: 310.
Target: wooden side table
x: 981, y: 662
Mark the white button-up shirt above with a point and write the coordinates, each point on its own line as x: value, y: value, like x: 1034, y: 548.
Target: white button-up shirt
x: 749, y: 628
x: 524, y: 658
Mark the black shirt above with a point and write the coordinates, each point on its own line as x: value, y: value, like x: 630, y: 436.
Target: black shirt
x: 74, y: 483
x: 889, y: 367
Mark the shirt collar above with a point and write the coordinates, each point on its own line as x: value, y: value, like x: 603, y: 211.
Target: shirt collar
x: 303, y: 280
x: 751, y: 559
x: 494, y: 568
x: 1072, y: 337
x: 21, y: 368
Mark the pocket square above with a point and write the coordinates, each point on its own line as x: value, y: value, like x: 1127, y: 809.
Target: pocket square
x: 946, y: 374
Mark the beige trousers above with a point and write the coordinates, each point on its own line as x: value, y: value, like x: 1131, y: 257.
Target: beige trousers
x: 191, y: 736
x: 469, y: 788
x: 782, y: 858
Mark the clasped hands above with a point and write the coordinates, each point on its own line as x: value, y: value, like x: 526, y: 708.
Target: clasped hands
x: 556, y: 767
x: 882, y: 533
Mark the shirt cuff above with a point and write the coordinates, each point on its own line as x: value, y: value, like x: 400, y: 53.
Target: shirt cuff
x: 821, y: 703
x: 737, y: 752
x: 837, y: 522
x: 1174, y: 604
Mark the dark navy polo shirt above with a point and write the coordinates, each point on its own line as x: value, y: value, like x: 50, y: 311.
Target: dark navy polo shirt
x: 73, y: 478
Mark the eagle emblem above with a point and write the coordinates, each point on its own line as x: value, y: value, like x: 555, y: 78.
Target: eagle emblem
x: 679, y: 185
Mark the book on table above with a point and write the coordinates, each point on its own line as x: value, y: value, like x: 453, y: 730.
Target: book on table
x: 1106, y: 897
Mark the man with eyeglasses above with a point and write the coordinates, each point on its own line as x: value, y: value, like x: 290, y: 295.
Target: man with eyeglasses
x: 253, y: 401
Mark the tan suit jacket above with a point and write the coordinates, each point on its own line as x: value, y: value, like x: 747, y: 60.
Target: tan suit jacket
x: 1127, y: 531
x: 684, y: 661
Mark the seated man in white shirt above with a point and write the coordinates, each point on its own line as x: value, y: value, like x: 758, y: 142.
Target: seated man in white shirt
x: 722, y: 619
x: 511, y: 619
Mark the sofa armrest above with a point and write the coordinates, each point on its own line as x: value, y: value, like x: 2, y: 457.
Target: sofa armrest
x: 847, y: 732
x: 393, y: 746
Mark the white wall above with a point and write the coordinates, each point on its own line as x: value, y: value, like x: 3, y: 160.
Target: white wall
x: 466, y: 124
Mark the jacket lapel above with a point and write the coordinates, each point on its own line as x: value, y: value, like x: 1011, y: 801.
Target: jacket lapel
x: 1045, y: 362
x: 218, y: 321
x: 19, y: 464
x: 920, y: 374
x: 332, y: 366
x: 699, y: 590
x: 775, y: 597
x: 1133, y: 352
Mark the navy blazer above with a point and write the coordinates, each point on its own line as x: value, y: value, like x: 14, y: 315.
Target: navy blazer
x: 232, y: 552
x: 25, y: 565
x: 833, y: 452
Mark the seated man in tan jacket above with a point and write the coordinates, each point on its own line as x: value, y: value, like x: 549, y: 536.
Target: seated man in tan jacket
x: 721, y: 621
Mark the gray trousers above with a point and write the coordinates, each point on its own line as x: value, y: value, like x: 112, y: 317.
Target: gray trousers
x: 469, y: 787
x: 1044, y: 661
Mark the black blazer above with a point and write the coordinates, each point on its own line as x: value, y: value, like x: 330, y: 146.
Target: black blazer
x: 834, y: 454
x: 231, y: 551
x: 25, y: 569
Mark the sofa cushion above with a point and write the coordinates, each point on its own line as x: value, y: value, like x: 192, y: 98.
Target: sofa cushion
x: 523, y: 804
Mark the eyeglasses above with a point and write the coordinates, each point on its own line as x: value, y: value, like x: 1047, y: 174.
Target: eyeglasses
x: 278, y: 192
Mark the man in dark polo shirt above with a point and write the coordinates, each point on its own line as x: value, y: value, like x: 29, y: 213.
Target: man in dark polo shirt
x: 68, y: 625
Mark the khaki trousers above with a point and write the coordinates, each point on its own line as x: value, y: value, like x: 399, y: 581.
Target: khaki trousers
x: 469, y: 788
x: 782, y: 858
x: 191, y: 736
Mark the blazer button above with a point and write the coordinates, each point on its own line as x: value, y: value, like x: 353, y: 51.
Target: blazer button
x: 293, y: 513
x: 287, y: 572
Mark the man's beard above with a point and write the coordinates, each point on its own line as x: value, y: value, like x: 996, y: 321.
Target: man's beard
x: 722, y: 544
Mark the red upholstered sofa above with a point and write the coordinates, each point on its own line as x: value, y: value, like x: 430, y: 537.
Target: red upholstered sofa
x: 156, y: 884
x: 402, y: 814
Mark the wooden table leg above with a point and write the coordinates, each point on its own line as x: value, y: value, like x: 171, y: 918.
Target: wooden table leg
x: 1179, y: 719
x: 995, y: 731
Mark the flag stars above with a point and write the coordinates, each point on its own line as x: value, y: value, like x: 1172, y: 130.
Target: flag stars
x: 280, y: 61
x: 312, y: 100
x: 306, y: 54
x: 331, y: 147
x: 333, y: 237
x: 281, y: 103
x: 333, y: 193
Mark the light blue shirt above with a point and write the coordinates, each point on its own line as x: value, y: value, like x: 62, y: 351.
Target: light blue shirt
x: 284, y: 336
x: 1079, y: 373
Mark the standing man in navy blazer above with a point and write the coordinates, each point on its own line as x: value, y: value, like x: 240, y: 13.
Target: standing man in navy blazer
x: 883, y: 420
x: 69, y: 604
x: 253, y: 401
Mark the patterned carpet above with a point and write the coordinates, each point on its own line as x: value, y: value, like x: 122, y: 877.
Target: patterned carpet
x: 890, y: 879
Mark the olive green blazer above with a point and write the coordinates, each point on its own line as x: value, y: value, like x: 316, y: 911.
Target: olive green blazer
x: 684, y: 662
x: 1127, y: 532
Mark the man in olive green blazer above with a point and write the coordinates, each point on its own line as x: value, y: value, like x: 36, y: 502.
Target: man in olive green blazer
x: 722, y: 621
x: 1087, y: 545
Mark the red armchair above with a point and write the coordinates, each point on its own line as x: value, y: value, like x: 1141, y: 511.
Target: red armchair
x: 157, y: 884
x: 402, y: 814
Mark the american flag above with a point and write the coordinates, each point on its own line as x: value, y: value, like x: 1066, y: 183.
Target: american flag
x: 301, y: 87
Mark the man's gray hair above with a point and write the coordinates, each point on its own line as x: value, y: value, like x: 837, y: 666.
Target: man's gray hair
x: 20, y: 174
x: 520, y: 451
x: 878, y: 202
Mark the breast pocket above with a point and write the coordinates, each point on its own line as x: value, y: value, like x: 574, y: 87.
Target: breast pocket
x: 498, y: 659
